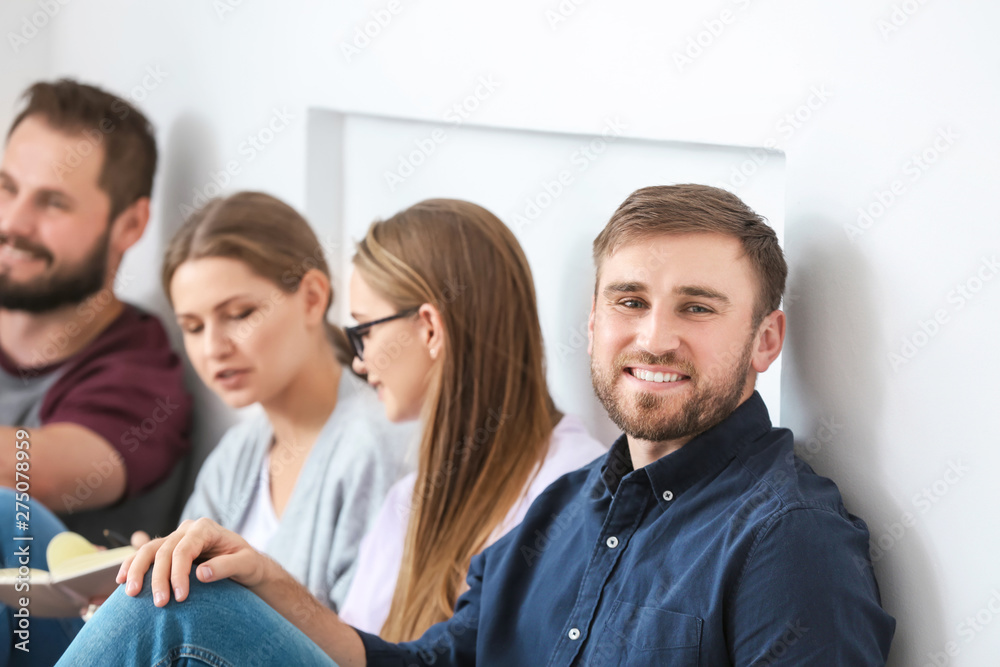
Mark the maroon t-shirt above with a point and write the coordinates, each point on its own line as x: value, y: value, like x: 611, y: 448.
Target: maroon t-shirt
x: 127, y: 386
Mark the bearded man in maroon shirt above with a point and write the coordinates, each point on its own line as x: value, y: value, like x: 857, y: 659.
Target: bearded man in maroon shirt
x: 89, y: 382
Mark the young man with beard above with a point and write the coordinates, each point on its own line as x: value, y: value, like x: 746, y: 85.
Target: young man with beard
x: 89, y: 383
x: 699, y: 539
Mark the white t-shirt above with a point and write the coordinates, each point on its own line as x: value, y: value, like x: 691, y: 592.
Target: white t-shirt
x: 366, y: 606
x: 261, y: 521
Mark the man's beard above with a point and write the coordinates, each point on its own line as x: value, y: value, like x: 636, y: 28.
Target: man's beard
x: 64, y: 286
x: 707, y: 406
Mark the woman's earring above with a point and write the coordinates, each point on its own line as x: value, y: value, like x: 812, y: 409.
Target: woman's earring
x: 434, y: 353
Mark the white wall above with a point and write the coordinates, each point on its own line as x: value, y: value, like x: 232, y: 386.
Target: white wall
x: 878, y: 97
x: 26, y: 51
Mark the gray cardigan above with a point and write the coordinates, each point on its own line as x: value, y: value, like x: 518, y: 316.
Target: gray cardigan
x: 357, y: 457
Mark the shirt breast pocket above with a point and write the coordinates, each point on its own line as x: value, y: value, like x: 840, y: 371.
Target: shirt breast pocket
x: 635, y: 635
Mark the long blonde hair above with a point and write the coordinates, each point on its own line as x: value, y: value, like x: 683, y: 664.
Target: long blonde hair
x: 488, y: 415
x: 263, y: 232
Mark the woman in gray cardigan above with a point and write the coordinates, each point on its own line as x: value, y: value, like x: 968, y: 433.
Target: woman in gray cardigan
x: 304, y: 478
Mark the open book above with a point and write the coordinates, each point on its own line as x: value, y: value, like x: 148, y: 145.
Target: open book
x: 78, y: 572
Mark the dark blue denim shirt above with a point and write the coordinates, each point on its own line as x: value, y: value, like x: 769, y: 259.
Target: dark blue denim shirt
x: 728, y: 551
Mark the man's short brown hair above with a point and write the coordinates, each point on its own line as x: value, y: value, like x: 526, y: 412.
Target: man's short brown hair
x: 105, y: 120
x: 690, y: 208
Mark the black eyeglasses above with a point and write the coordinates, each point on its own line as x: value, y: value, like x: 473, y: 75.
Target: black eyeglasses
x: 355, y: 333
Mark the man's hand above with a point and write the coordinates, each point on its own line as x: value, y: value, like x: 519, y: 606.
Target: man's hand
x: 226, y: 555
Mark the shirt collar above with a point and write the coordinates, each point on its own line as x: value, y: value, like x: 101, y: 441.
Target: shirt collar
x: 702, y: 457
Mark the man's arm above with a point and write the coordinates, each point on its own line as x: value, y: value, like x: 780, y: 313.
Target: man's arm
x: 128, y: 388
x: 68, y: 466
x: 808, y: 596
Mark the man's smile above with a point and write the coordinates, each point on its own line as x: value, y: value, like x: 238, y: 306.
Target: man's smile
x: 657, y: 376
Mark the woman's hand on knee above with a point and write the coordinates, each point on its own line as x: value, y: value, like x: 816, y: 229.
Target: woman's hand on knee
x: 225, y: 555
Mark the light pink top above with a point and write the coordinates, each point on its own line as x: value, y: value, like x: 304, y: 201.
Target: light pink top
x: 381, y: 554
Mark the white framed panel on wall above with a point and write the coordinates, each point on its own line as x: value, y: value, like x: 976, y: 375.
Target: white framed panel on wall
x: 555, y: 190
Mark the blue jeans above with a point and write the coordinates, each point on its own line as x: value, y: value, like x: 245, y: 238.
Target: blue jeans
x: 221, y: 624
x: 47, y: 637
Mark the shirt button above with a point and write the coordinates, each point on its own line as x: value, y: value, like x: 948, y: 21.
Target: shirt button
x: 668, y: 495
x: 574, y: 634
x: 612, y: 542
